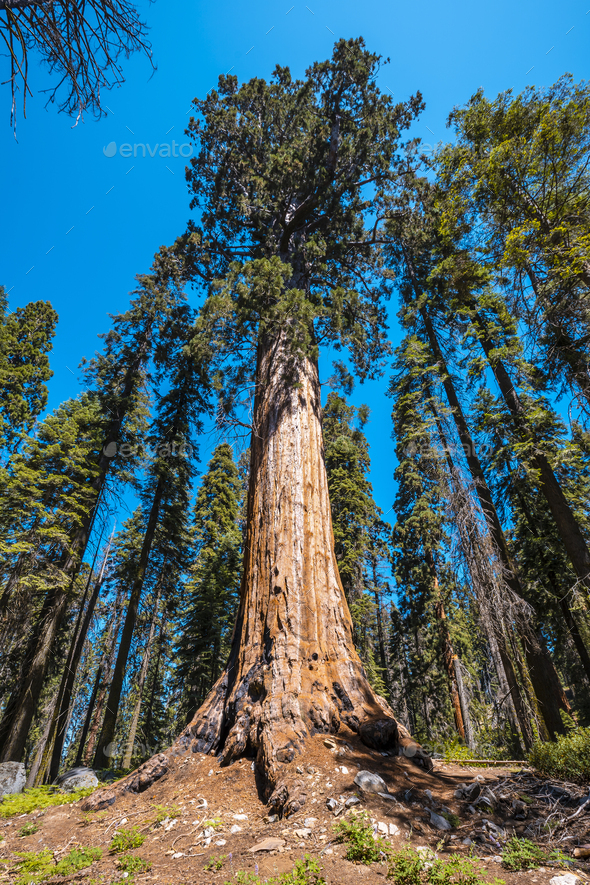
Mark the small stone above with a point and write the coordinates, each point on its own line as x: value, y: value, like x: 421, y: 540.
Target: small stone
x: 566, y: 879
x: 344, y: 769
x: 428, y: 794
x: 310, y: 822
x: 331, y: 804
x: 210, y: 772
x: 123, y: 822
x: 383, y: 828
x: 299, y: 770
x: 235, y: 829
x: 458, y: 794
x: 221, y: 842
x: 240, y: 817
x: 497, y: 859
x: 329, y: 851
x: 330, y: 743
x: 270, y: 844
x: 303, y: 833
x: 271, y: 818
x: 311, y: 769
x: 466, y: 841
x: 394, y: 830
x: 479, y: 778
x: 177, y: 854
x: 207, y: 833
x: 439, y: 822
x: 354, y: 800
x: 370, y: 782
x: 472, y: 791
x: 388, y: 797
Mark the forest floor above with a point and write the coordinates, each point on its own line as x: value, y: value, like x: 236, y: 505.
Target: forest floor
x: 186, y: 820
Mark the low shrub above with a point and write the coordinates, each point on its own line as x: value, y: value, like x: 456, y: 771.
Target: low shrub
x: 361, y: 844
x: 126, y: 840
x: 38, y: 797
x: 567, y: 758
x: 36, y: 866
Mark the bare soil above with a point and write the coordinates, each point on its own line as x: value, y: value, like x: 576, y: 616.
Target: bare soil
x: 178, y: 850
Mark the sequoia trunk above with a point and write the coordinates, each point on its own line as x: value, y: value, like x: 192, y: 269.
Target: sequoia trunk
x: 293, y: 670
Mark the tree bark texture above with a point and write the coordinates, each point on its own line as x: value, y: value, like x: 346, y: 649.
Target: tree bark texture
x: 293, y: 670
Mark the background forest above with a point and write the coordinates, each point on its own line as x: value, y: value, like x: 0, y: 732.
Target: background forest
x: 120, y: 562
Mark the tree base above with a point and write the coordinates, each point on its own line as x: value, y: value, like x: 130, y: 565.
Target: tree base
x: 274, y: 729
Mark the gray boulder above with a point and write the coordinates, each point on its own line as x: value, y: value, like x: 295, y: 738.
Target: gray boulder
x: 441, y: 823
x: 76, y: 779
x: 12, y: 778
x: 369, y: 782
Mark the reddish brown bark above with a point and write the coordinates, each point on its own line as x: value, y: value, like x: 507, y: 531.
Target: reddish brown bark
x: 293, y: 670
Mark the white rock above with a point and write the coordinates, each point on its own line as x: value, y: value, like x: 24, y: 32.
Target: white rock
x: 221, y: 842
x: 240, y: 817
x: 172, y: 824
x: 123, y: 822
x: 370, y: 782
x: 344, y: 769
x: 329, y: 851
x: 235, y: 829
x: 210, y: 772
x: 383, y: 828
x: 177, y: 854
x: 310, y: 822
x: 303, y: 833
x: 393, y: 830
x: 567, y: 879
x: 206, y: 842
x: 209, y: 832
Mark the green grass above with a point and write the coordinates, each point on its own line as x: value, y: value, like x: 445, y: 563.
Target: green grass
x: 410, y: 867
x: 567, y: 758
x: 37, y: 866
x: 38, y: 798
x: 126, y: 840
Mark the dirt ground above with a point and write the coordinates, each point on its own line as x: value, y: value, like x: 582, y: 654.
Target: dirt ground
x: 196, y: 791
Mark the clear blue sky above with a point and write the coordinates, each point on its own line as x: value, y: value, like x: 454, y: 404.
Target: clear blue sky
x: 79, y: 225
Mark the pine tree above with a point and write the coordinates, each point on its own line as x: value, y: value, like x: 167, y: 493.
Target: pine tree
x: 212, y: 589
x: 25, y: 343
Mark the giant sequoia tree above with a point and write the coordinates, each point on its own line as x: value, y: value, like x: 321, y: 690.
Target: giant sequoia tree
x: 287, y: 174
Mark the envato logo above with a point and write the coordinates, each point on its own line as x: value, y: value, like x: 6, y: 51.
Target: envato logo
x: 178, y: 449
x: 475, y: 152
x: 166, y: 149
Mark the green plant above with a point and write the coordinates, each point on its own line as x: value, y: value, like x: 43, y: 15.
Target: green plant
x: 28, y: 829
x: 410, y: 867
x: 361, y: 844
x: 37, y: 866
x: 405, y: 867
x: 215, y: 863
x: 568, y: 757
x: 130, y: 863
x: 452, y: 818
x: 38, y: 797
x: 305, y: 872
x: 522, y: 854
x: 215, y: 823
x: 164, y: 811
x: 125, y: 840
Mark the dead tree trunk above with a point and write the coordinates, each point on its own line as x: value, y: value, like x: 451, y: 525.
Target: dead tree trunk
x: 293, y: 670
